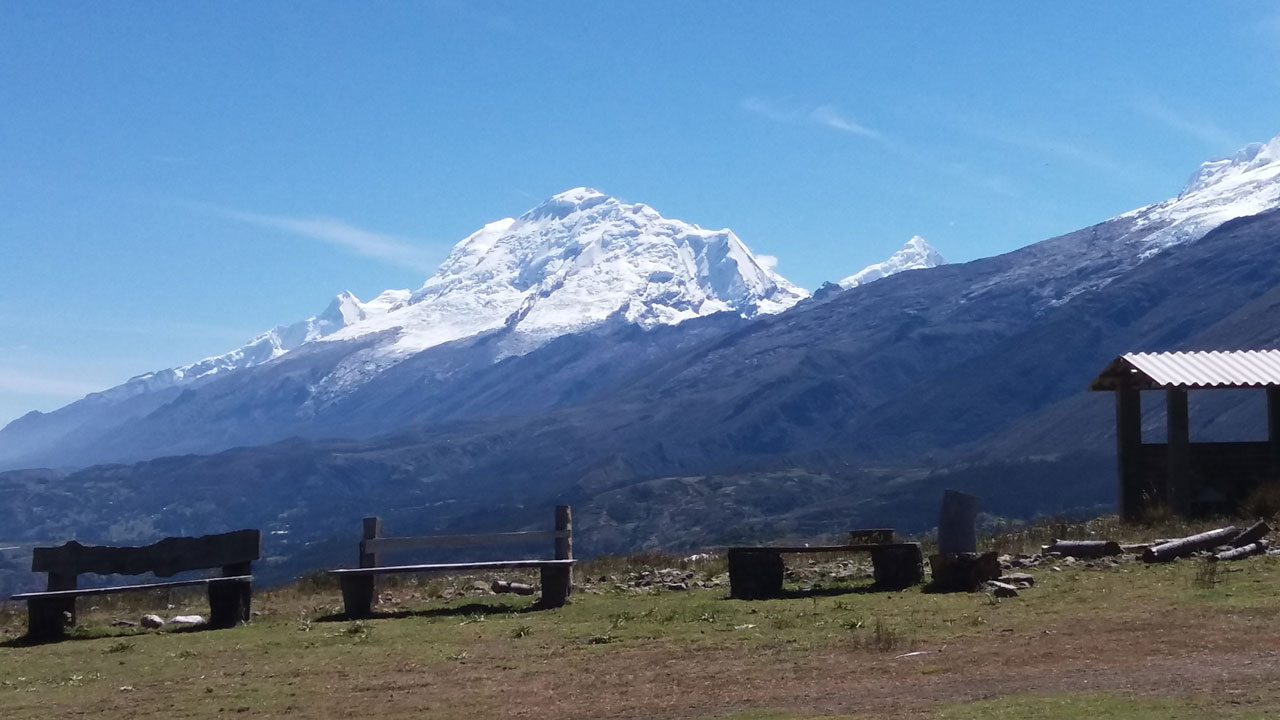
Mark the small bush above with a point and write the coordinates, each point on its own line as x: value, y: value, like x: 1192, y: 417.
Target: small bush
x: 1263, y: 502
x: 1206, y: 576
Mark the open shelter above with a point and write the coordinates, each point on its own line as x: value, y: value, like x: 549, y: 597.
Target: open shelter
x: 1199, y: 478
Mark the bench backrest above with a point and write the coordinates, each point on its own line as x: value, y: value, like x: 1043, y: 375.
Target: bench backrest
x: 233, y: 550
x: 373, y: 544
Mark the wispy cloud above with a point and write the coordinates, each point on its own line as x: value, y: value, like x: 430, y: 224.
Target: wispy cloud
x: 832, y: 118
x: 388, y: 248
x: 1072, y: 151
x: 25, y: 382
x: 999, y: 129
x: 1197, y: 128
x: 823, y: 116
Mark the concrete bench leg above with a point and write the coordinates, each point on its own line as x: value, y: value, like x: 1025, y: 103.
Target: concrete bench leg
x: 754, y: 574
x: 229, y: 603
x: 46, y: 620
x: 557, y: 581
x: 357, y: 595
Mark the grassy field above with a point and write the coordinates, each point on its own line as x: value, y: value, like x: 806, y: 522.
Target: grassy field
x: 1132, y: 641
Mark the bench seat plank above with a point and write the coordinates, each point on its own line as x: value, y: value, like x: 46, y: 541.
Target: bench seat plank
x: 490, y: 565
x: 821, y: 548
x: 128, y: 588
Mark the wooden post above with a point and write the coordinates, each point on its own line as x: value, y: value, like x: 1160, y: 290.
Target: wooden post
x: 372, y: 529
x: 564, y: 527
x: 563, y: 549
x: 1179, y: 449
x: 957, y: 531
x: 1129, y: 450
x: 1273, y: 430
x: 364, y: 589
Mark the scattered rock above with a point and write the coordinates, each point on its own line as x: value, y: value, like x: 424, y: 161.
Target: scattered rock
x: 186, y: 620
x: 152, y: 621
x: 1016, y: 578
x: 124, y: 623
x: 1001, y: 590
x: 677, y: 586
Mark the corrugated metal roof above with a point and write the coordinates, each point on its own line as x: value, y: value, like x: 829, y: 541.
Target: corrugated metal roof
x: 1197, y: 369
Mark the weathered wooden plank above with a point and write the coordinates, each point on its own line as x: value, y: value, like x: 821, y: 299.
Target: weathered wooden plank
x: 442, y: 567
x: 129, y: 588
x: 398, y: 544
x: 820, y: 548
x: 165, y: 558
x: 1252, y: 534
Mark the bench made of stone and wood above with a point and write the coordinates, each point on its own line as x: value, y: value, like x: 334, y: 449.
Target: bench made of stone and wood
x: 757, y: 572
x: 358, y: 586
x: 229, y: 595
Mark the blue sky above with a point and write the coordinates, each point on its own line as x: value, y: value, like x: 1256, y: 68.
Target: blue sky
x: 176, y: 178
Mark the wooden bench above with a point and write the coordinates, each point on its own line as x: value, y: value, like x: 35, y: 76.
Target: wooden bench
x: 358, y: 589
x: 229, y: 595
x: 756, y: 572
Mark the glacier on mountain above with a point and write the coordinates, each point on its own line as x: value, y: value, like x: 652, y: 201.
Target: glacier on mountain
x: 577, y: 260
x: 915, y: 255
x: 1244, y: 183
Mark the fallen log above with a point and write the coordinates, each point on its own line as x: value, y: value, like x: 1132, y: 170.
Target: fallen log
x: 1244, y: 551
x: 1084, y: 548
x: 1252, y: 534
x: 1182, y: 547
x: 502, y: 586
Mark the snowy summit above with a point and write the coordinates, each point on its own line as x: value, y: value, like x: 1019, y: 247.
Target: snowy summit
x: 915, y: 255
x: 575, y: 261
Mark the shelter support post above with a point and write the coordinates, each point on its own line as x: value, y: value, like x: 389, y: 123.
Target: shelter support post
x: 1273, y: 430
x: 1179, y: 449
x: 1129, y: 450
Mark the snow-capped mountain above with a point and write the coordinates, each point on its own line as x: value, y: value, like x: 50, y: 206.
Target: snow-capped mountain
x: 575, y: 261
x: 345, y: 309
x: 1245, y: 183
x: 579, y: 260
x: 915, y: 255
